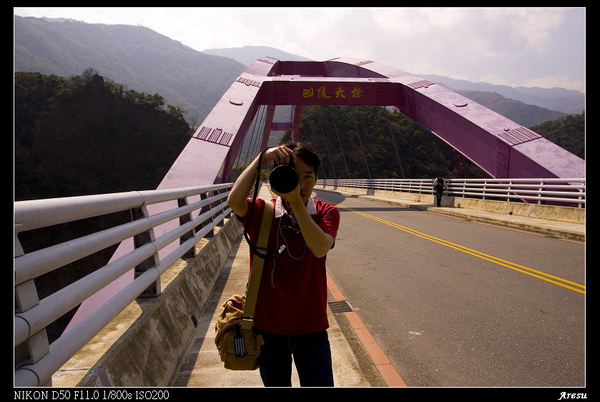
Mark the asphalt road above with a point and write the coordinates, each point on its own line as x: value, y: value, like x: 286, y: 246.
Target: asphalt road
x: 457, y: 303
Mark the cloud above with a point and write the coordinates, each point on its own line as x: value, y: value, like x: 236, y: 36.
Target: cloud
x: 514, y: 45
x: 514, y: 32
x: 472, y: 33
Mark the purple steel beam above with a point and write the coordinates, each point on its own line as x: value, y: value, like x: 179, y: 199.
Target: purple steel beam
x: 296, y: 109
x: 498, y: 145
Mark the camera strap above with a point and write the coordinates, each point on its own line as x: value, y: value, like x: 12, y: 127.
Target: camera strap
x: 265, y: 256
x: 257, y: 268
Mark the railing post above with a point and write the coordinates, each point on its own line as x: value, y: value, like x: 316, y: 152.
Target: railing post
x: 370, y: 187
x: 27, y: 297
x: 153, y: 261
x: 204, y: 209
x: 37, y: 345
x: 217, y: 203
x: 183, y: 219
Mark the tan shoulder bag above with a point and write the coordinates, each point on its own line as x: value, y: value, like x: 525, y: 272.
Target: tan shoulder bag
x: 238, y: 345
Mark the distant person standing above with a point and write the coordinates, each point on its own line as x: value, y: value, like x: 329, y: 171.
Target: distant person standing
x: 438, y: 185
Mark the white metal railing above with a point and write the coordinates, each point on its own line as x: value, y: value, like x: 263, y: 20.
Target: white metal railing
x: 569, y: 191
x: 186, y: 216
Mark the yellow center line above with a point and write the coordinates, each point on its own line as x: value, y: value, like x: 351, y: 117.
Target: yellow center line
x: 516, y: 267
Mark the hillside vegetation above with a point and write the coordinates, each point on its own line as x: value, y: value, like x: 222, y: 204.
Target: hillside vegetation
x: 83, y: 135
x: 564, y: 100
x: 134, y: 56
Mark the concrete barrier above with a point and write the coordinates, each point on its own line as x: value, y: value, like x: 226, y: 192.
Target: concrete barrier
x: 550, y: 212
x: 144, y: 344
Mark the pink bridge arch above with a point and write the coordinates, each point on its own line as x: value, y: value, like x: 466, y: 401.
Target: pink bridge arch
x: 498, y: 145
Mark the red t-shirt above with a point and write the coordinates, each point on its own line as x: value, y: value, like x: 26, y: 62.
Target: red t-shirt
x: 292, y: 298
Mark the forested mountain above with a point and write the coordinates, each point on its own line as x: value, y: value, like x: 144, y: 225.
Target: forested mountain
x: 248, y: 54
x: 147, y: 61
x: 135, y: 56
x: 83, y: 135
x: 561, y: 99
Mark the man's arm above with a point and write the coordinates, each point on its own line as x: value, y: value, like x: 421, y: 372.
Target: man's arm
x: 244, y: 184
x: 316, y: 239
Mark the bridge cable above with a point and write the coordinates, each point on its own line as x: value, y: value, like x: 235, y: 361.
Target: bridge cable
x: 251, y: 141
x: 326, y: 146
x: 258, y: 125
x: 395, y: 148
x: 363, y: 152
x: 341, y: 147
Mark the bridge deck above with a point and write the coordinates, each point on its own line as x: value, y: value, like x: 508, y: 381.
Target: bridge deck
x: 202, y: 367
x: 352, y: 364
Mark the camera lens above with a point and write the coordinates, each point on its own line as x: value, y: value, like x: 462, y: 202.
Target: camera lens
x: 283, y: 179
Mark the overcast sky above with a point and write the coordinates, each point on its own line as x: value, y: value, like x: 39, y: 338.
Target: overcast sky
x: 542, y: 47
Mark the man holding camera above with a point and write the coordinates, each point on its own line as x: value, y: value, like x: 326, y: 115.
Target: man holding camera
x: 291, y: 310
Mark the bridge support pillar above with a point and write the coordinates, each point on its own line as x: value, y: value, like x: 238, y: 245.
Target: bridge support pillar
x: 138, y: 241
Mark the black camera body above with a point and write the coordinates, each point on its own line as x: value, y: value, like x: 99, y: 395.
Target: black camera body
x: 284, y: 178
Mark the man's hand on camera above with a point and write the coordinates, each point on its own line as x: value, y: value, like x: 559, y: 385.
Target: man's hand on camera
x: 293, y: 198
x: 281, y: 155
